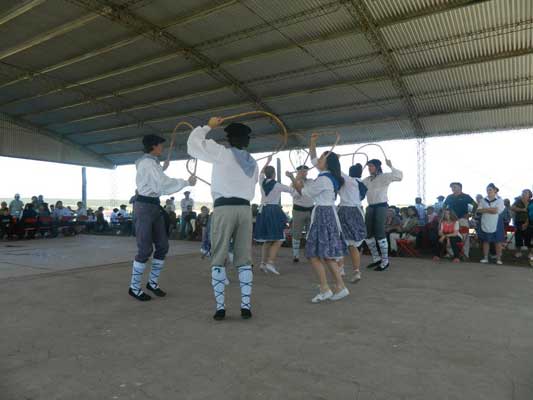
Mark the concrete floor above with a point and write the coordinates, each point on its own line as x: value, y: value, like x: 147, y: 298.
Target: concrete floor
x: 420, y: 331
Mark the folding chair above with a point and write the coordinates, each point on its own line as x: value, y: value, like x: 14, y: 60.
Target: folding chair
x: 29, y: 227
x: 45, y: 225
x: 512, y: 230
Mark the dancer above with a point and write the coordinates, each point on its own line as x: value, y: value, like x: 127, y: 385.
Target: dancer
x: 301, y: 214
x: 150, y: 227
x: 324, y: 239
x: 271, y: 220
x: 376, y: 212
x: 234, y: 177
x: 351, y: 216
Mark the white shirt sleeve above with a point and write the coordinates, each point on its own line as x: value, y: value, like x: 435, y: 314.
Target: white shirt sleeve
x: 395, y: 176
x: 164, y: 184
x: 201, y: 148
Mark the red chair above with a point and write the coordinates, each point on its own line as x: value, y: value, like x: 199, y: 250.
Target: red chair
x: 407, y: 247
x: 45, y: 225
x: 29, y: 226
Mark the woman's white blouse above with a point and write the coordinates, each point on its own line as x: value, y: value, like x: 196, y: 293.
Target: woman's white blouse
x: 274, y: 197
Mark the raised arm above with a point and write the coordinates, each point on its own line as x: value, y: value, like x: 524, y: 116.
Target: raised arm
x: 395, y: 175
x: 205, y: 149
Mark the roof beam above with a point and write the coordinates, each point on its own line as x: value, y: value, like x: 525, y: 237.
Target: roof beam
x: 166, y: 39
x: 295, y: 134
x: 52, y: 33
x: 386, y: 120
x: 19, y: 9
x: 430, y: 10
x: 214, y: 91
x: 360, y: 12
x: 409, y: 73
x: 181, y: 51
x: 181, y: 20
x: 190, y: 95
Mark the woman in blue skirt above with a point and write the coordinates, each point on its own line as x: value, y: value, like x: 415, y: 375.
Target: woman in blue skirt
x: 324, y: 239
x: 271, y: 220
x: 352, y: 218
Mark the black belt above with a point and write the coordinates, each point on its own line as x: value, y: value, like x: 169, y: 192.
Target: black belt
x: 148, y: 199
x: 296, y: 207
x: 231, y: 201
x: 377, y: 205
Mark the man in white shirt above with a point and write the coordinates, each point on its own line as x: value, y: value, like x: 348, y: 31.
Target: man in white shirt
x: 376, y: 212
x: 233, y: 181
x: 185, y: 203
x: 16, y: 206
x: 81, y: 211
x: 301, y: 215
x: 150, y: 226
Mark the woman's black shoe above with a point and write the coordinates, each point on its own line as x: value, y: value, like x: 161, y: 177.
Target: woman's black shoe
x: 157, y: 291
x: 245, y: 313
x: 374, y: 264
x: 219, y: 315
x: 381, y: 268
x: 141, y: 297
x: 295, y: 260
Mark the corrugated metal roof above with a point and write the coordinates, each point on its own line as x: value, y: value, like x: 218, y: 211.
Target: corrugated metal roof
x: 454, y: 66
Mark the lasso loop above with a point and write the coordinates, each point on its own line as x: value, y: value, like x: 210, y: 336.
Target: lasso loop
x: 303, y: 163
x: 366, y: 145
x: 284, y: 133
x: 174, y: 134
x: 337, y: 140
x: 361, y: 154
x: 193, y: 171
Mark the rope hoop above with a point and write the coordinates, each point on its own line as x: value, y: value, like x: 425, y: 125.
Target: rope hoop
x: 174, y: 134
x: 193, y: 172
x: 366, y: 145
x: 337, y: 140
x: 284, y: 133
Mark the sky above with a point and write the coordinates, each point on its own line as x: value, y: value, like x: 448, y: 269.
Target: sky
x: 475, y: 160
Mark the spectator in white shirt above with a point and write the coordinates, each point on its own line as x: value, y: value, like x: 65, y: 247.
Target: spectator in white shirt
x: 185, y: 203
x: 16, y: 206
x: 61, y: 212
x: 81, y: 211
x: 491, y: 227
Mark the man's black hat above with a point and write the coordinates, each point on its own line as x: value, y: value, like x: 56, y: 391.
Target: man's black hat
x: 236, y: 129
x: 149, y: 141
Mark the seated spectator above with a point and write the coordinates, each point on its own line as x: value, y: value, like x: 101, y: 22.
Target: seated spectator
x: 114, y: 218
x: 3, y: 207
x: 431, y: 215
x: 491, y: 228
x: 449, y: 236
x: 123, y: 211
x: 392, y: 222
x: 407, y: 231
x: 61, y: 212
x: 28, y: 220
x: 44, y: 211
x: 29, y: 212
x: 521, y: 222
x: 507, y: 214
x: 6, y: 222
x: 51, y: 208
x: 16, y: 206
x: 81, y: 211
x: 101, y: 224
x: 35, y: 203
